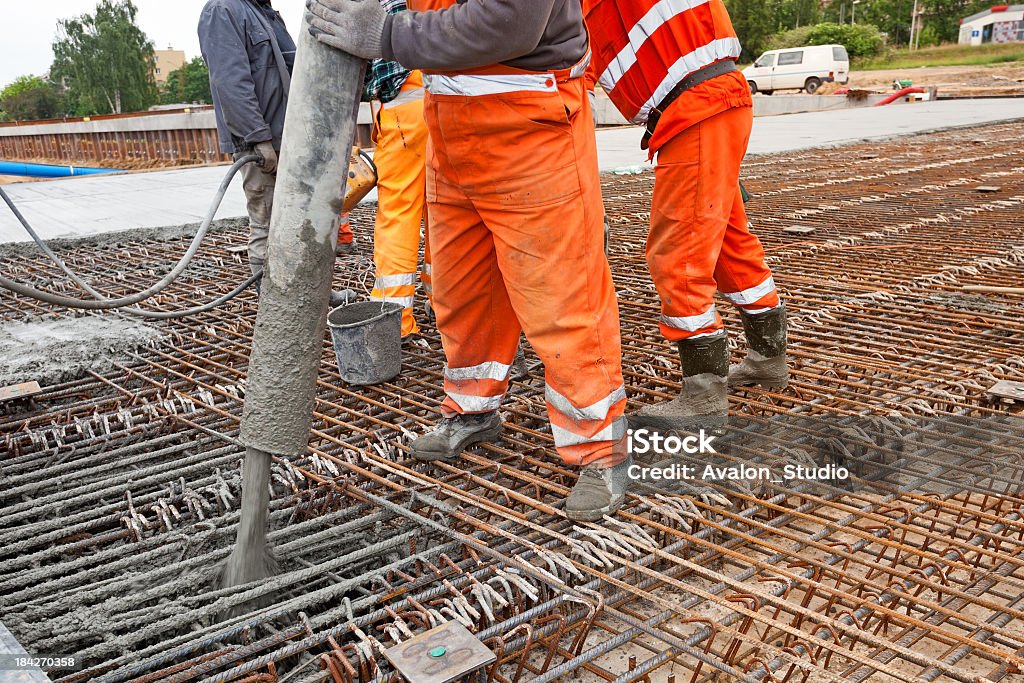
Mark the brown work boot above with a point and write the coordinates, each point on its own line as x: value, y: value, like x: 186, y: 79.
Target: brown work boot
x: 599, y: 491
x: 703, y: 401
x: 452, y: 435
x: 765, y: 364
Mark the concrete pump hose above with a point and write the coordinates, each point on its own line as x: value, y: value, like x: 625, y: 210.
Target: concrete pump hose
x: 103, y: 303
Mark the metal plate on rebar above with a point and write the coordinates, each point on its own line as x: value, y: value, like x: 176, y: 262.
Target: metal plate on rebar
x: 440, y: 655
x: 14, y: 391
x: 988, y: 188
x: 798, y: 230
x: 1013, y: 391
x: 237, y: 249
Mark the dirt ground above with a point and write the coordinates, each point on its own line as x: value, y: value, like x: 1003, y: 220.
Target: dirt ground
x: 997, y: 79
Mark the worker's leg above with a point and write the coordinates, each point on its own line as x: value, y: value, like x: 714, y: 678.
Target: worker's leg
x: 400, y: 158
x: 478, y: 330
x: 551, y: 253
x: 536, y: 186
x: 746, y: 281
x: 693, y: 200
x: 259, y: 197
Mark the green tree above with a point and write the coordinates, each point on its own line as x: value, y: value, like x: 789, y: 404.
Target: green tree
x: 861, y: 40
x: 190, y: 83
x: 107, y: 60
x: 756, y: 21
x: 31, y: 98
x: 796, y: 13
x: 940, y: 19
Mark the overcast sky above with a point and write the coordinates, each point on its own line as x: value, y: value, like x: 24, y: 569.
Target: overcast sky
x: 27, y: 28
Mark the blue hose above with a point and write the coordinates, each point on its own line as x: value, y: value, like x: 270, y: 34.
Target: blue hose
x: 47, y: 171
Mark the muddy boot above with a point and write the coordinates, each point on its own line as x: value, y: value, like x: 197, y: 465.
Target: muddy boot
x: 703, y: 401
x: 599, y: 491
x: 765, y: 363
x: 452, y: 435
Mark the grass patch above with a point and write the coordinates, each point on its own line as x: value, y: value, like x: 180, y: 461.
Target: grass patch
x: 944, y: 55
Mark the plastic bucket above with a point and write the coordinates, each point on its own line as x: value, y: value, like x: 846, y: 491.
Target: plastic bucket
x: 367, y: 339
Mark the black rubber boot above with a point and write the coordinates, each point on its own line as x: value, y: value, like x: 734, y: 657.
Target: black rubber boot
x: 703, y: 401
x: 765, y: 364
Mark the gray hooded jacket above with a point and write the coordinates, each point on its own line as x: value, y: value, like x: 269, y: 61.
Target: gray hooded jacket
x: 248, y: 94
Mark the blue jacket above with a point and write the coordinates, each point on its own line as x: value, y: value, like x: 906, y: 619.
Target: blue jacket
x: 248, y: 93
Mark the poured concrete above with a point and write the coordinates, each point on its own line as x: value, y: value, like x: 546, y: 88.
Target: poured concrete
x: 54, y: 350
x: 620, y: 147
x: 101, y: 204
x: 764, y: 105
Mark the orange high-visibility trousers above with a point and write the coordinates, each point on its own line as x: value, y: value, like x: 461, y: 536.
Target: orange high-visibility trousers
x: 700, y: 239
x: 516, y: 230
x: 400, y: 158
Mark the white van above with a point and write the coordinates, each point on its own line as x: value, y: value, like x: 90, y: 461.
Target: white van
x: 798, y: 68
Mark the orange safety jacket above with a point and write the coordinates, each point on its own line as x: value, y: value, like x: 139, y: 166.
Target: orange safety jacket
x: 643, y: 48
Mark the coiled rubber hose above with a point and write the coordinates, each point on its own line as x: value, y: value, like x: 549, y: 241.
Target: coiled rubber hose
x: 126, y: 304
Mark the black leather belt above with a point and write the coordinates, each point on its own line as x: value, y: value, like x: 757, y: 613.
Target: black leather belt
x: 726, y: 66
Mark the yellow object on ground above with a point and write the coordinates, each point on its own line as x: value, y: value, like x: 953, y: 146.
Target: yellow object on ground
x: 400, y: 157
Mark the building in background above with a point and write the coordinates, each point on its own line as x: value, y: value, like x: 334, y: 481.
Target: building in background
x: 999, y: 24
x: 165, y: 62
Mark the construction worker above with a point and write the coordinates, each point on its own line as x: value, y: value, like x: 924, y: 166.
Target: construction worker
x: 400, y: 134
x: 515, y: 215
x: 672, y: 68
x: 250, y: 56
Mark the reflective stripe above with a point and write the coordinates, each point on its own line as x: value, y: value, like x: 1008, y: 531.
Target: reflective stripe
x: 715, y: 333
x: 428, y: 288
x: 581, y: 66
x: 752, y: 295
x: 403, y: 301
x: 714, y: 51
x: 638, y: 35
x: 759, y: 311
x: 477, y: 404
x: 405, y: 97
x: 387, y: 281
x: 428, y: 269
x: 490, y: 370
x: 596, y: 412
x: 564, y: 438
x: 465, y: 84
x: 693, y: 323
